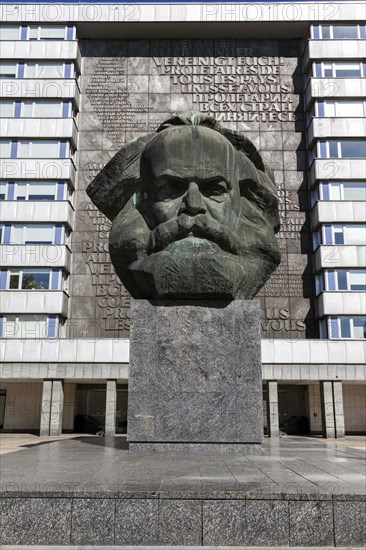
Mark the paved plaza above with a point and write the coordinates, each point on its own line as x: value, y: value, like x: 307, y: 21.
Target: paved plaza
x: 88, y: 464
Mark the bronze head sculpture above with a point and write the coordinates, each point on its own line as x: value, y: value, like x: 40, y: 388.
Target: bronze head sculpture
x: 194, y: 212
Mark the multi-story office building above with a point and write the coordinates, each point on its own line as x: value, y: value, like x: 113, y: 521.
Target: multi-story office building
x: 79, y: 80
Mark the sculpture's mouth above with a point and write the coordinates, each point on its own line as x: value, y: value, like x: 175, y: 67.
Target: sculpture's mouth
x: 200, y: 227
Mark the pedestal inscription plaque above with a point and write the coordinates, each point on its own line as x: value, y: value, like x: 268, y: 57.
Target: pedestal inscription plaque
x: 195, y: 378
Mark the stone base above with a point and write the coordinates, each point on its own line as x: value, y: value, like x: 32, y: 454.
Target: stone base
x: 196, y: 447
x: 94, y: 492
x: 195, y: 375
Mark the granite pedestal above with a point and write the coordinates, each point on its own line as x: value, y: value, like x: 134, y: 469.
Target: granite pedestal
x: 195, y: 376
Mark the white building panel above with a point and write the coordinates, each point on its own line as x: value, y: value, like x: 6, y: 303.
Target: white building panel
x: 99, y: 13
x: 39, y: 49
x: 338, y: 211
x: 333, y: 49
x: 332, y: 88
x: 337, y: 169
x: 44, y: 169
x: 37, y: 212
x: 62, y: 128
x: 50, y: 302
x: 40, y: 255
x: 336, y: 127
x: 340, y: 256
x: 274, y: 352
x: 59, y: 88
x: 341, y: 303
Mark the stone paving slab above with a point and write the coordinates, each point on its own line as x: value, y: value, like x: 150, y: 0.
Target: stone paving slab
x: 94, y: 466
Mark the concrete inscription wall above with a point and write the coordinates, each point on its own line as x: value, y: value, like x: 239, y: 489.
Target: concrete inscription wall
x: 128, y: 88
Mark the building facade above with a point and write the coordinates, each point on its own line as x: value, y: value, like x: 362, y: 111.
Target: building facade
x: 77, y: 82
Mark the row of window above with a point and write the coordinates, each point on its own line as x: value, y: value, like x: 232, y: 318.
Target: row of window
x: 342, y: 327
x: 33, y: 234
x: 30, y: 326
x: 35, y: 108
x: 37, y: 148
x: 352, y: 280
x: 340, y: 191
x: 338, y: 148
x: 339, y: 108
x: 37, y: 32
x: 336, y: 233
x: 338, y: 32
x: 34, y: 191
x: 37, y: 69
x: 31, y: 279
x: 339, y: 69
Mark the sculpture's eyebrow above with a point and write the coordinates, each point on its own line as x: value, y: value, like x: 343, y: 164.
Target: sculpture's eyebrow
x: 216, y: 177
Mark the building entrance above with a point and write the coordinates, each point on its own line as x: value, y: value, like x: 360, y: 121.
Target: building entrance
x: 293, y: 409
x: 91, y: 408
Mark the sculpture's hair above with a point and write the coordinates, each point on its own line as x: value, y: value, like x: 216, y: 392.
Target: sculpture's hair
x: 115, y: 184
x: 240, y: 142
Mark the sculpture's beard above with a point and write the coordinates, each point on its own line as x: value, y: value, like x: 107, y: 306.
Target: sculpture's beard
x: 193, y: 256
x: 200, y: 226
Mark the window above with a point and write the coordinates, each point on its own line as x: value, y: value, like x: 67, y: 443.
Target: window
x: 45, y: 32
x: 353, y: 280
x: 347, y: 148
x: 31, y: 326
x: 346, y: 327
x: 344, y: 234
x: 34, y: 191
x: 34, y: 279
x: 5, y: 148
x: 43, y: 149
x: 342, y: 191
x: 45, y: 109
x: 36, y: 234
x: 338, y: 32
x: 8, y: 70
x: 44, y: 70
x: 7, y: 108
x: 9, y: 32
x: 337, y: 69
x: 340, y: 108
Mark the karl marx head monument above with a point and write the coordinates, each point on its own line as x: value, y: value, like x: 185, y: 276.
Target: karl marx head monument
x: 194, y: 212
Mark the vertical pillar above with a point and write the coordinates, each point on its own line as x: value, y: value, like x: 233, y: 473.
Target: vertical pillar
x: 273, y: 422
x: 111, y: 408
x: 57, y: 407
x: 44, y: 428
x: 332, y: 409
x: 338, y: 409
x: 326, y: 392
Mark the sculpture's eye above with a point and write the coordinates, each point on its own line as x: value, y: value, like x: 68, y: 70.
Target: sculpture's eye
x: 170, y: 190
x: 215, y: 190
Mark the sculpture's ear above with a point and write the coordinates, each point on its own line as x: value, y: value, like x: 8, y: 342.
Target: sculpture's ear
x: 259, y: 188
x: 113, y: 187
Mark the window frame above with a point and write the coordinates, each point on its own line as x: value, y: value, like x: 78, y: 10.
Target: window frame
x: 56, y: 327
x: 337, y: 320
x: 39, y: 30
x: 55, y: 227
x: 341, y: 185
x: 21, y: 271
x: 322, y: 64
x: 320, y: 27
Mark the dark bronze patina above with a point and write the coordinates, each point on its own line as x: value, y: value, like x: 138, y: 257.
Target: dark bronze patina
x: 194, y: 212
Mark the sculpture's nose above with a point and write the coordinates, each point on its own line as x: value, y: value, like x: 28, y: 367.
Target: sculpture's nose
x: 192, y: 200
